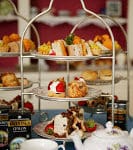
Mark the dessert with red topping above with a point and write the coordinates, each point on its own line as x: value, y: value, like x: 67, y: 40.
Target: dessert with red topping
x: 90, y: 125
x: 57, y: 88
x: 64, y: 124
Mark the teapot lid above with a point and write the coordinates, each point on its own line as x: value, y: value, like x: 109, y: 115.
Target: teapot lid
x: 109, y: 132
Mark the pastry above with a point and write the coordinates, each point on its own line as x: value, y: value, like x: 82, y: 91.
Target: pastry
x: 14, y: 37
x: 9, y: 79
x: 28, y: 45
x: 11, y: 43
x: 25, y: 81
x: 57, y: 88
x: 105, y: 74
x: 89, y: 75
x: 14, y: 104
x: 4, y: 48
x: 13, y: 46
x: 64, y: 124
x: 103, y: 62
x: 77, y: 88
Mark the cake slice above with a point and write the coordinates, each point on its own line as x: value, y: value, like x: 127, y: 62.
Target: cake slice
x: 65, y: 123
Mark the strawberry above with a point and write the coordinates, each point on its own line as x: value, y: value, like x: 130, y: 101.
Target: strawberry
x: 28, y: 105
x: 76, y: 78
x: 49, y: 129
x: 90, y: 125
x: 82, y: 103
x: 60, y: 87
x: 52, y: 53
x: 91, y: 129
x: 115, y: 97
x: 49, y: 85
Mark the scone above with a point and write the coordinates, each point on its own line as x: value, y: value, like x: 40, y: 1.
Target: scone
x: 13, y: 47
x: 57, y: 88
x: 89, y: 75
x: 105, y: 74
x: 9, y: 79
x: 4, y: 48
x: 77, y: 88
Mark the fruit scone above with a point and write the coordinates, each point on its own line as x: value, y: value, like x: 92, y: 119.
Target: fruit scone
x: 89, y: 75
x: 93, y: 75
x: 9, y: 79
x: 77, y: 88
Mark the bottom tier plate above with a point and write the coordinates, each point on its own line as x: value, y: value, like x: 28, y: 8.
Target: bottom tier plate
x: 39, y: 130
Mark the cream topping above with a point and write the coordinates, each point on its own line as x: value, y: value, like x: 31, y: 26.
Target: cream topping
x: 53, y: 86
x: 60, y: 124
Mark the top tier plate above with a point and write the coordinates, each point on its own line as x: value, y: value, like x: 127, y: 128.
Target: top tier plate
x: 63, y: 58
x: 12, y: 54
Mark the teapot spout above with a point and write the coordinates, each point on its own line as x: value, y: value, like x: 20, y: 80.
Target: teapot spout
x: 77, y: 140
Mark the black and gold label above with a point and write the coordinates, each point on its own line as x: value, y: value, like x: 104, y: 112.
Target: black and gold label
x: 13, y: 123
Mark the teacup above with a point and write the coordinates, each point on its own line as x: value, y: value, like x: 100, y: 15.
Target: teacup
x: 40, y: 144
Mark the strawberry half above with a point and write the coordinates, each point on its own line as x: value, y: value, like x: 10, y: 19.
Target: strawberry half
x: 49, y: 85
x: 82, y: 103
x: 49, y: 129
x: 76, y: 78
x: 28, y: 105
x: 60, y: 87
x: 52, y: 53
x: 90, y: 125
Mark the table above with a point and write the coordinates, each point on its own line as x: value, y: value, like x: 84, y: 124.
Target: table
x: 100, y: 118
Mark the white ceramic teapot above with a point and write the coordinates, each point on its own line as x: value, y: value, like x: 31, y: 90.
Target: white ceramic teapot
x: 105, y: 139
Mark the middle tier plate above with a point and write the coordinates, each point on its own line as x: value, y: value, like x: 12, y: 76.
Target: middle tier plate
x: 42, y: 93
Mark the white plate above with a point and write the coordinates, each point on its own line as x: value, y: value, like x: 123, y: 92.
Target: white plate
x: 11, y: 54
x: 117, y: 79
x: 62, y: 58
x: 42, y: 93
x: 39, y: 130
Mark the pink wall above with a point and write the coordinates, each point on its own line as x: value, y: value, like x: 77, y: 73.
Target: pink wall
x: 73, y: 5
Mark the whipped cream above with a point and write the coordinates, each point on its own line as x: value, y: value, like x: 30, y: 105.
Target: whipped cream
x: 53, y: 86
